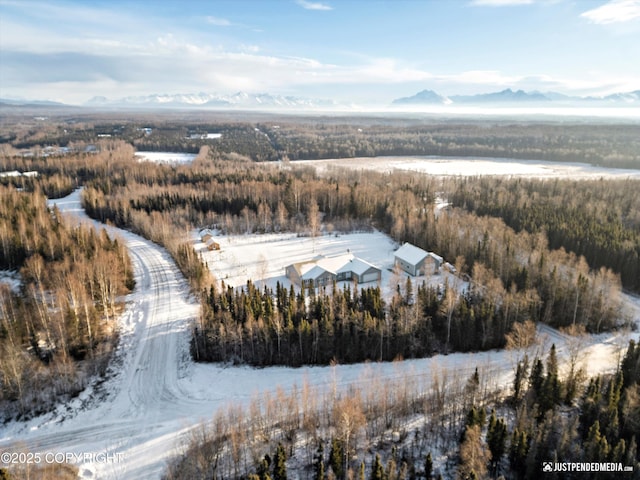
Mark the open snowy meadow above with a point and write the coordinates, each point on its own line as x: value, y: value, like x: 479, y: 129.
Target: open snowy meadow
x: 470, y: 166
x: 166, y: 157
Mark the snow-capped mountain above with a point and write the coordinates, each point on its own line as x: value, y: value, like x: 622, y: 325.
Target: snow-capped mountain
x: 30, y: 103
x: 504, y: 96
x: 629, y: 97
x: 424, y: 97
x: 239, y: 100
x: 519, y: 97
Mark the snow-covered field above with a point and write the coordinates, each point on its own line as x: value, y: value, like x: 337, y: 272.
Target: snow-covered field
x: 471, y: 166
x: 166, y: 157
x: 155, y: 394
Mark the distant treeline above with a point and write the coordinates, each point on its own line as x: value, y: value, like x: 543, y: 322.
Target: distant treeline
x: 607, y: 145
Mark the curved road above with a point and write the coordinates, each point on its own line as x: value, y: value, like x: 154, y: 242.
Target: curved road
x: 142, y: 414
x: 145, y: 397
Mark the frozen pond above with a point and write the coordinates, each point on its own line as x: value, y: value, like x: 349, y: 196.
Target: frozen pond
x: 166, y: 157
x: 475, y: 166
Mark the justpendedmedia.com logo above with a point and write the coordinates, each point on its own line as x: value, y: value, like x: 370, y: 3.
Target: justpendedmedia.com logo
x: 585, y: 467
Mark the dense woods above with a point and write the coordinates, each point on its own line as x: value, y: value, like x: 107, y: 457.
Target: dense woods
x: 282, y: 327
x: 429, y: 425
x: 599, y: 220
x: 58, y: 329
x: 555, y: 251
x: 545, y: 259
x: 519, y: 270
x: 268, y: 137
x: 515, y: 276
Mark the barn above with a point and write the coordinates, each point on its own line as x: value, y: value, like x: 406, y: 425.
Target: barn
x: 416, y: 261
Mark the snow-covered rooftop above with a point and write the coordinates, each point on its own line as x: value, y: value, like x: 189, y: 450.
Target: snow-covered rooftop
x: 411, y: 254
x: 347, y: 262
x: 312, y: 273
x: 436, y: 257
x: 356, y: 265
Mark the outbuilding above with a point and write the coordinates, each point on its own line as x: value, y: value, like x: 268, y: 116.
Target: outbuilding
x: 416, y: 261
x: 212, y: 244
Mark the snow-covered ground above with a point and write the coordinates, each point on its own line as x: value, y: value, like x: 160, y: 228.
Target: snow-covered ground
x: 263, y: 258
x: 166, y: 157
x: 12, y: 279
x: 475, y: 166
x: 156, y: 394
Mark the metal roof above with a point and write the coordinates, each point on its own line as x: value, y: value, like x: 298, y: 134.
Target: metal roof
x: 411, y: 254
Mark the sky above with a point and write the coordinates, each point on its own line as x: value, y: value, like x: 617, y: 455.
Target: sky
x: 360, y: 51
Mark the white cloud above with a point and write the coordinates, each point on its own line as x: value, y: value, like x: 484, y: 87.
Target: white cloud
x: 499, y: 3
x: 313, y: 5
x: 481, y: 77
x: 218, y: 22
x: 615, y: 11
x: 81, y: 60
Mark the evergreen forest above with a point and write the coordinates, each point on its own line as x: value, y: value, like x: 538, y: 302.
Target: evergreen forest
x: 531, y: 253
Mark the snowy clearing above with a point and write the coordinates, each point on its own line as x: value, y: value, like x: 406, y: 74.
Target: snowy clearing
x: 166, y: 157
x: 155, y: 394
x: 263, y: 258
x: 474, y: 166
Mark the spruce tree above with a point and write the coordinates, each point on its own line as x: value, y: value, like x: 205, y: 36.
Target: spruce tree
x: 518, y: 452
x: 408, y: 292
x: 279, y: 464
x: 619, y: 452
x: 319, y: 463
x: 263, y: 468
x: 536, y: 379
x: 596, y: 447
x: 377, y: 472
x: 630, y: 366
x: 336, y: 458
x: 521, y: 372
x: 496, y: 439
x: 428, y: 467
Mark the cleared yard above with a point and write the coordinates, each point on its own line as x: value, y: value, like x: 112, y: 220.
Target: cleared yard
x: 263, y: 258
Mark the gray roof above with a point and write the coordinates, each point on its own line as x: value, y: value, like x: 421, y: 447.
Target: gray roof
x: 334, y: 265
x: 411, y: 254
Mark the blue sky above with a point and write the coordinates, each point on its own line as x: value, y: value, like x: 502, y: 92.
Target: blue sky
x: 355, y: 51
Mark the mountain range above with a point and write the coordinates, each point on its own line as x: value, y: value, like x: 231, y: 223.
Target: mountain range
x: 238, y: 100
x: 267, y: 101
x: 519, y: 97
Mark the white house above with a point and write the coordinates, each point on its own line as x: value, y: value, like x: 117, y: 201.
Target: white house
x: 323, y: 271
